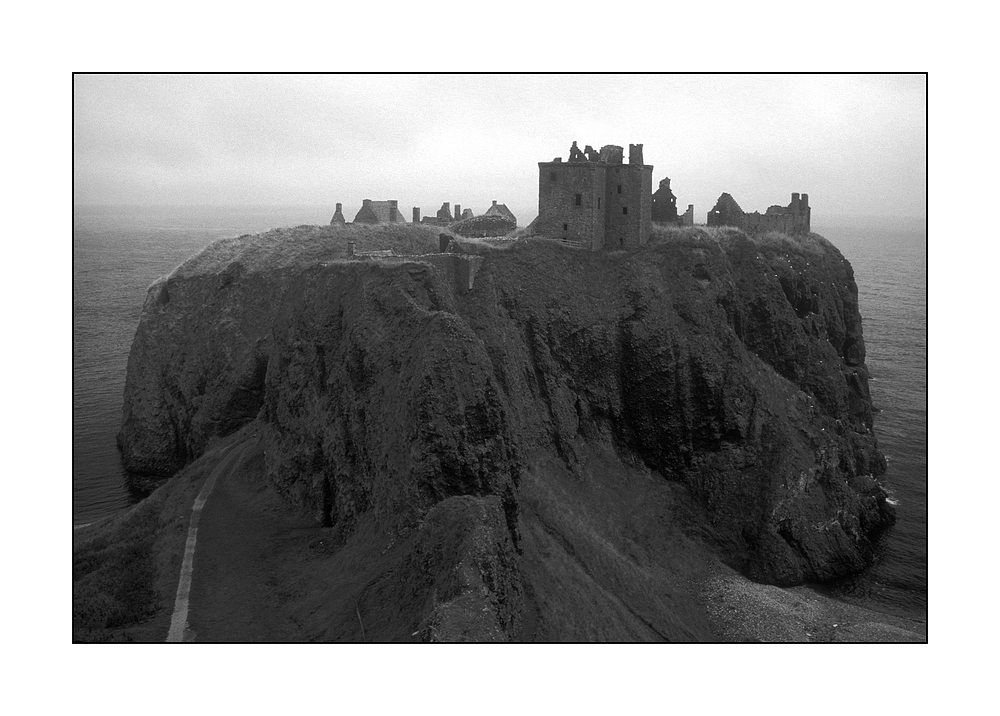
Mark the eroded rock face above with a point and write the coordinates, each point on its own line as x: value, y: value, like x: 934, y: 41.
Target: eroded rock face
x: 197, y: 366
x: 465, y: 548
x: 731, y: 367
x: 378, y: 396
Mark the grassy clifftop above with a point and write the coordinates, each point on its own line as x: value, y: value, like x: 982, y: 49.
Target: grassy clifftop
x: 305, y: 245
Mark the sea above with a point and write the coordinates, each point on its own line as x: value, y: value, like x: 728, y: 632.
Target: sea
x: 118, y: 251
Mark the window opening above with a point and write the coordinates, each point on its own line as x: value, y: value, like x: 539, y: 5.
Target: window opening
x: 619, y: 188
x: 579, y: 199
x: 624, y: 210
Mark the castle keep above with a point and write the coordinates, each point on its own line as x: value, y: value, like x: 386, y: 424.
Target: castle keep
x: 595, y: 199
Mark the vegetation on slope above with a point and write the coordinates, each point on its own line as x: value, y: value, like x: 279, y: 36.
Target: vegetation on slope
x: 307, y: 245
x: 125, y: 568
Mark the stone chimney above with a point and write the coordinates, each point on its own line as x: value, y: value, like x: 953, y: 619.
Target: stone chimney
x: 416, y: 215
x: 635, y: 154
x: 458, y: 212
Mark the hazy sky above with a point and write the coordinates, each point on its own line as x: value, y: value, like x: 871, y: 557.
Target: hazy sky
x: 855, y: 143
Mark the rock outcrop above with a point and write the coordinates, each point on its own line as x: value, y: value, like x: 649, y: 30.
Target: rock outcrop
x: 728, y: 369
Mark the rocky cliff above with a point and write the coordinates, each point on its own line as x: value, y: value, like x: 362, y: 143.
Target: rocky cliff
x: 611, y: 410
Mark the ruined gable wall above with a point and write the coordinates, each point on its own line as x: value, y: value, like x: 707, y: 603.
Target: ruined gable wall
x: 664, y: 204
x: 559, y: 216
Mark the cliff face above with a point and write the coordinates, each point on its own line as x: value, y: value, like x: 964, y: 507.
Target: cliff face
x: 731, y: 370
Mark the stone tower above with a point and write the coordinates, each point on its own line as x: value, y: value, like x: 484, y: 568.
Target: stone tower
x: 596, y: 199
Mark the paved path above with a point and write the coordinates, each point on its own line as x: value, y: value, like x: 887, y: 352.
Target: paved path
x: 252, y: 561
x: 179, y: 630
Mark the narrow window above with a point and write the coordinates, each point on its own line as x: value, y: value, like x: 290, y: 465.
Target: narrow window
x: 624, y: 210
x: 579, y: 199
x: 565, y: 227
x: 552, y: 176
x: 598, y: 202
x: 619, y: 188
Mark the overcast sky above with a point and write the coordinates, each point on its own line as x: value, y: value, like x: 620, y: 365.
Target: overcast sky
x: 855, y: 143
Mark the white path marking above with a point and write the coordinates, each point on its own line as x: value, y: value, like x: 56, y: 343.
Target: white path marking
x: 179, y: 630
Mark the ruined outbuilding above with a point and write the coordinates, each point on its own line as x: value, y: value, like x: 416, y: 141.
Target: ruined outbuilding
x: 379, y: 212
x: 444, y: 213
x: 502, y: 211
x: 687, y: 218
x: 664, y: 204
x: 726, y: 212
x: 792, y: 219
x: 594, y: 199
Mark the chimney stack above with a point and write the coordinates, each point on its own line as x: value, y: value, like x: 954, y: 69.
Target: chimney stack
x: 416, y: 215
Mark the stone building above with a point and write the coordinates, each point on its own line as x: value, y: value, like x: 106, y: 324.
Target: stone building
x: 687, y: 218
x: 379, y: 212
x: 501, y: 210
x: 595, y: 199
x: 444, y: 213
x: 726, y: 212
x: 791, y: 219
x: 664, y: 204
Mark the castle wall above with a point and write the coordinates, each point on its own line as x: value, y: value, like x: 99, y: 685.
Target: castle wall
x: 785, y: 223
x: 571, y: 198
x: 688, y: 218
x: 628, y: 191
x: 790, y: 219
x: 460, y: 269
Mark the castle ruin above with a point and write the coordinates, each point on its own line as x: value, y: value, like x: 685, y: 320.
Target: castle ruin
x: 594, y: 199
x: 791, y: 219
x: 664, y: 204
x: 379, y: 212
